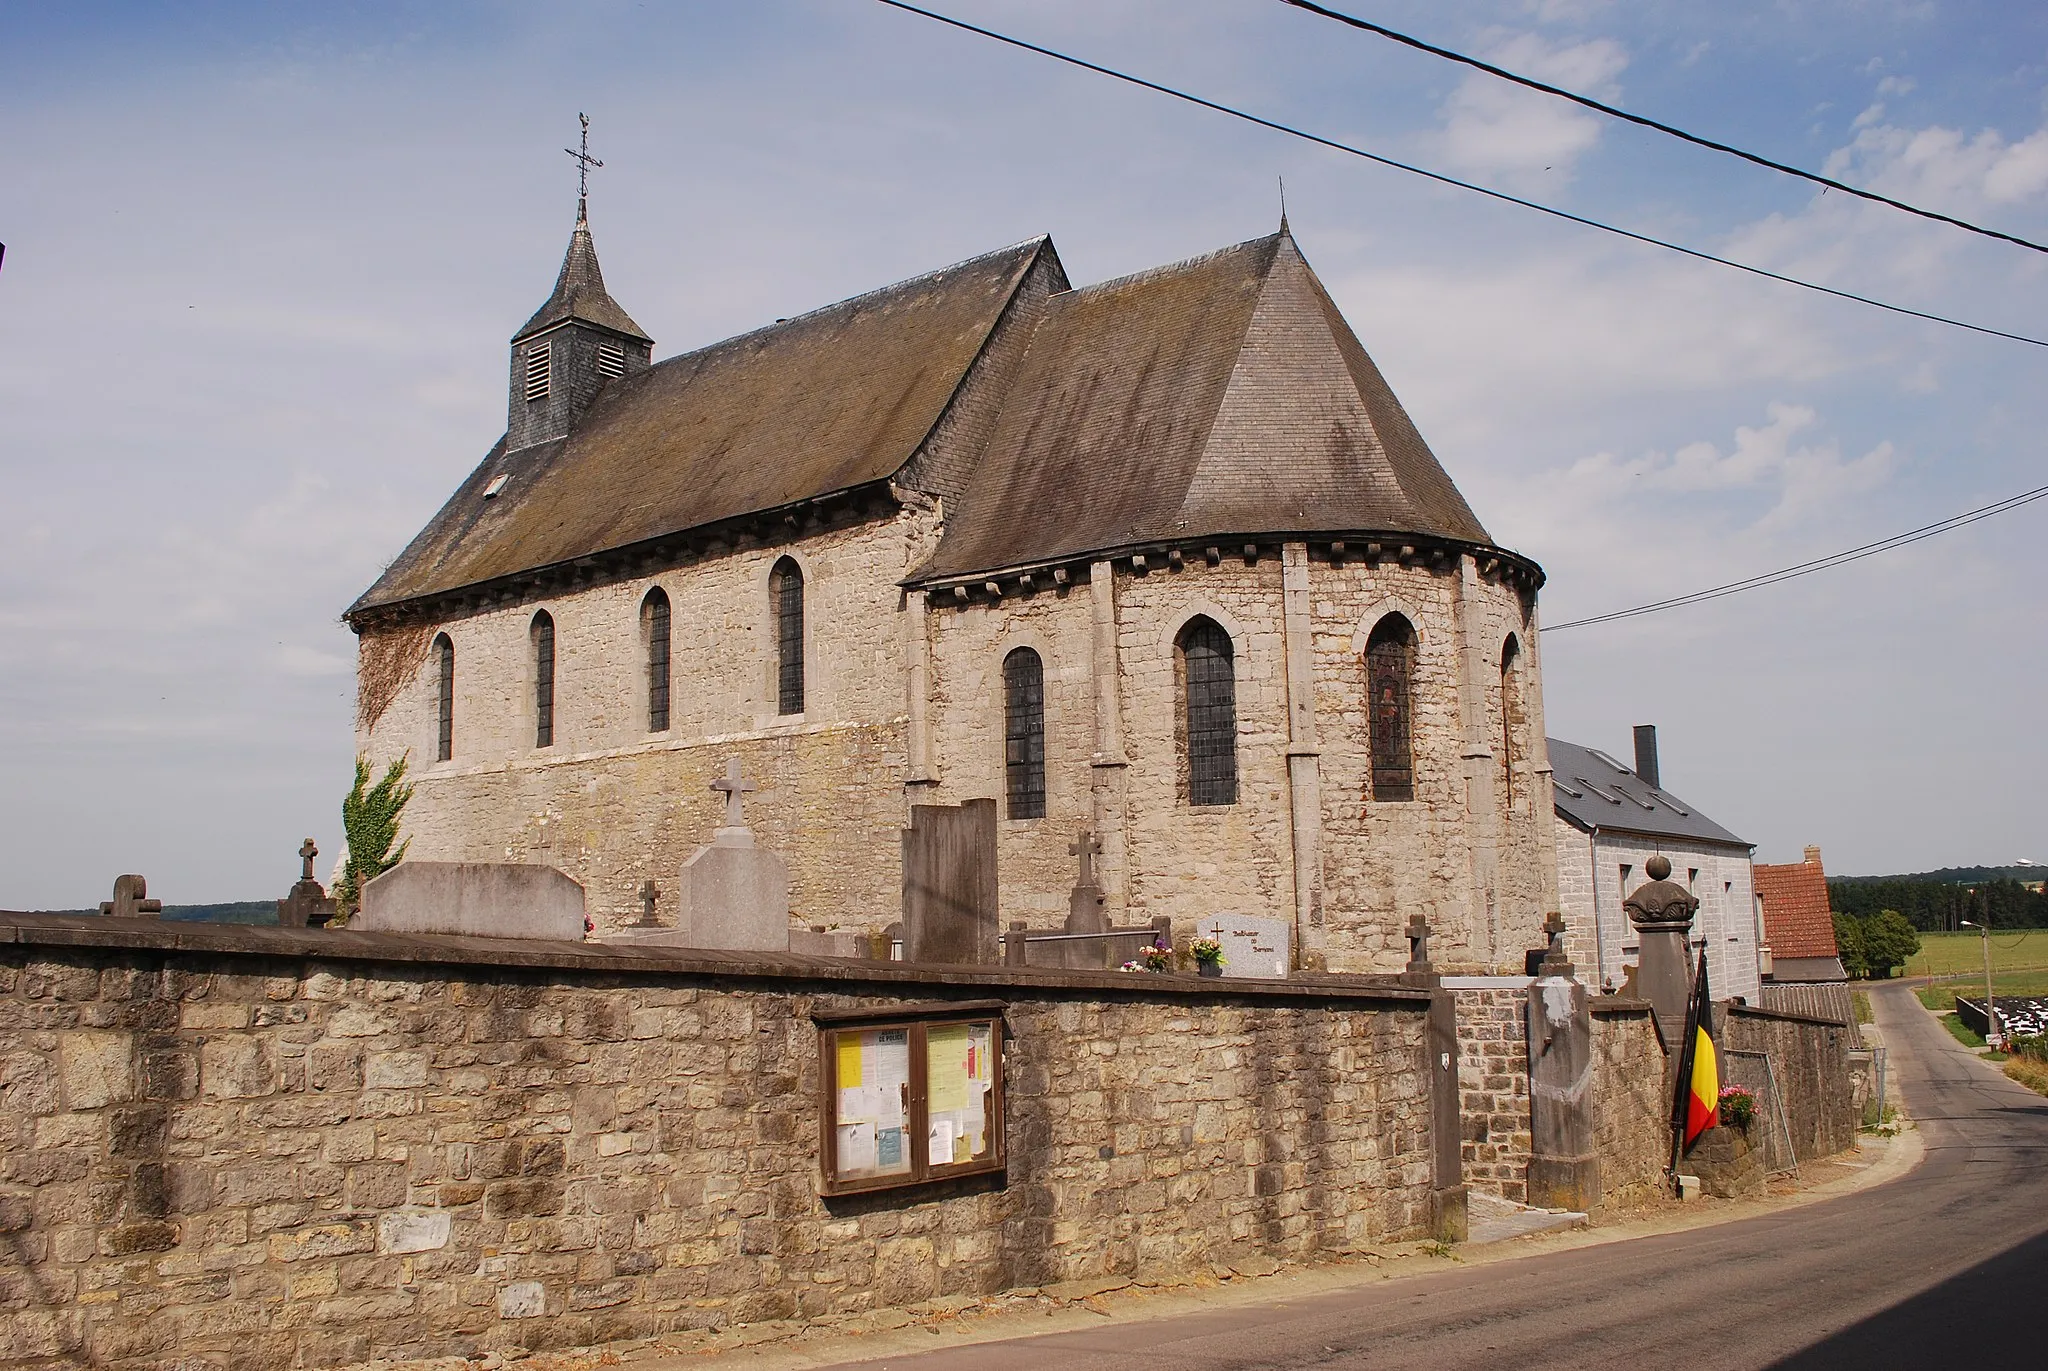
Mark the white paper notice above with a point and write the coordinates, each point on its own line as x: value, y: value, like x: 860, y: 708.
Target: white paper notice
x: 856, y: 1148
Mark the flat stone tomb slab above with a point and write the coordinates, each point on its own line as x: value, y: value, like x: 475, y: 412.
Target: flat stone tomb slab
x: 1252, y: 946
x: 481, y: 899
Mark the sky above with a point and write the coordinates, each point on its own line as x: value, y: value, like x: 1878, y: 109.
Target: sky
x: 263, y: 262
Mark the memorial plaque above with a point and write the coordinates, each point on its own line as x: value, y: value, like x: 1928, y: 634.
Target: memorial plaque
x: 1251, y: 946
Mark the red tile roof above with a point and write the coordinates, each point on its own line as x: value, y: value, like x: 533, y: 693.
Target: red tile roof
x: 1796, y: 918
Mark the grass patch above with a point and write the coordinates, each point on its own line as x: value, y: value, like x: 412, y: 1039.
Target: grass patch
x: 2033, y: 1075
x: 1859, y: 1000
x: 1948, y: 954
x: 1941, y: 997
x: 1963, y: 1033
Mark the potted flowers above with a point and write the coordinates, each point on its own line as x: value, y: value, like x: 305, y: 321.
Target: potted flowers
x: 1738, y: 1106
x: 1208, y: 955
x: 1156, y: 958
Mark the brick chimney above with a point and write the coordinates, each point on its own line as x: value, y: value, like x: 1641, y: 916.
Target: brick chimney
x: 1812, y: 854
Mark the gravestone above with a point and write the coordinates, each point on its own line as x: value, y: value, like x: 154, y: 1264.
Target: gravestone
x: 1087, y: 906
x: 649, y: 893
x: 1251, y: 946
x: 733, y: 895
x: 1564, y: 1165
x: 949, y: 883
x: 1662, y: 914
x: 129, y: 900
x: 307, y: 905
x: 481, y: 899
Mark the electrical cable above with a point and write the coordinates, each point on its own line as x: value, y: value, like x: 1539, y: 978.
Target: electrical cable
x: 1815, y: 177
x: 1854, y: 554
x: 1443, y: 179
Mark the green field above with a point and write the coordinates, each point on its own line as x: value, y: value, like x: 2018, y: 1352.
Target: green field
x: 1941, y: 996
x: 1943, y: 954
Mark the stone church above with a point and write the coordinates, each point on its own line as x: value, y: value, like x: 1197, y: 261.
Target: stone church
x: 1161, y: 559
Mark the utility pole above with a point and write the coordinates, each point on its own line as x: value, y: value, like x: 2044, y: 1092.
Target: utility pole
x: 1992, y: 1037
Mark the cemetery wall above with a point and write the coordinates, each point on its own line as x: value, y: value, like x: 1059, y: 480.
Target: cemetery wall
x: 613, y: 804
x: 1631, y: 1115
x: 1493, y: 1089
x: 275, y: 1147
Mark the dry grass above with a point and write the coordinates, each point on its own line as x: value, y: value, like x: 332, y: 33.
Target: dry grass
x: 2031, y: 1074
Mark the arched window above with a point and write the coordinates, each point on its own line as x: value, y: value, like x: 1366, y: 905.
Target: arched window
x: 1390, y: 687
x: 786, y: 593
x: 1024, y: 733
x: 654, y: 613
x: 1511, y: 723
x: 543, y: 680
x: 444, y: 698
x: 1209, y: 682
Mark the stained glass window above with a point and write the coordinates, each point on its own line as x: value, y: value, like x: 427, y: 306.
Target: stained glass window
x: 1390, y: 684
x: 1209, y: 671
x: 786, y: 591
x: 543, y: 680
x: 656, y: 611
x: 444, y: 699
x: 1024, y: 733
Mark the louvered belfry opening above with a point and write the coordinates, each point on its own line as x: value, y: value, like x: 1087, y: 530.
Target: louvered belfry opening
x: 1390, y: 688
x: 444, y: 698
x: 543, y: 680
x: 1024, y: 733
x: 1209, y: 669
x: 786, y: 592
x: 655, y: 610
x: 538, y: 359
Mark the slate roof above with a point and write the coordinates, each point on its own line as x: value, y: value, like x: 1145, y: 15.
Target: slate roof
x: 1222, y: 395
x: 1797, y: 922
x: 1592, y: 790
x: 580, y: 293
x: 816, y: 404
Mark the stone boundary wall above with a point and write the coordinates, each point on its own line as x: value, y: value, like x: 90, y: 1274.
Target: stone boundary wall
x: 258, y: 1148
x: 1632, y: 1124
x: 1493, y: 1087
x: 1810, y: 1057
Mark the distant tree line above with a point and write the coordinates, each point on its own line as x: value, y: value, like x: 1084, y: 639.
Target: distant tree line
x: 1935, y: 906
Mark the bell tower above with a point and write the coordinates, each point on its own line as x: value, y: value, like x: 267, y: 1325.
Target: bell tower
x: 576, y: 343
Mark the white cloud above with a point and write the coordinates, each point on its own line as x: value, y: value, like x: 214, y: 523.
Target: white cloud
x: 1493, y: 125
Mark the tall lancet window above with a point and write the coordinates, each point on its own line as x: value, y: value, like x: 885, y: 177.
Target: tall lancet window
x: 786, y: 594
x: 1512, y: 725
x: 1390, y: 690
x: 444, y: 698
x: 654, y: 615
x: 543, y: 680
x: 1024, y: 733
x: 1208, y: 672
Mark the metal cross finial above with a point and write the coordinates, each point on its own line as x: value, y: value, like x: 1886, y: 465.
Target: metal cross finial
x: 584, y: 162
x: 734, y: 788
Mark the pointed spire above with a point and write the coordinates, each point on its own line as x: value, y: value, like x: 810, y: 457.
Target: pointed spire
x: 1283, y: 207
x: 579, y: 290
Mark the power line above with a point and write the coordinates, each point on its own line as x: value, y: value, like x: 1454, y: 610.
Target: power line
x: 1443, y: 179
x: 1815, y: 177
x: 1854, y: 554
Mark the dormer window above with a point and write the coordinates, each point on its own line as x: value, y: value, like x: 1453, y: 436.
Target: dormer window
x: 537, y: 358
x: 611, y: 360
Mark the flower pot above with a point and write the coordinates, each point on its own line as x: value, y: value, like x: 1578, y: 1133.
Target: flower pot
x: 1208, y: 968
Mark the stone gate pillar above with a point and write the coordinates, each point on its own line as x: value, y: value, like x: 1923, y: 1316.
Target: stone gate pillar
x: 1564, y: 1165
x: 1662, y: 913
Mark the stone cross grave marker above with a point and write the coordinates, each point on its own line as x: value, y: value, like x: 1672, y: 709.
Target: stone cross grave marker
x: 735, y: 789
x: 1418, y: 946
x: 1085, y: 847
x: 129, y: 901
x: 648, y: 894
x: 1085, y: 905
x: 308, y: 905
x: 1251, y: 946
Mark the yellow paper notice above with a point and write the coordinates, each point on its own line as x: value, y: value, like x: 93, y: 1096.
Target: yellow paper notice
x: 946, y: 1066
x: 849, y: 1061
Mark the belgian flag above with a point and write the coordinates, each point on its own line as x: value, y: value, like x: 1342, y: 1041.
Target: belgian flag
x: 1697, y: 1103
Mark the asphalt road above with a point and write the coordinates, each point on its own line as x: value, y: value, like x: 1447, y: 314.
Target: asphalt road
x: 1935, y: 1269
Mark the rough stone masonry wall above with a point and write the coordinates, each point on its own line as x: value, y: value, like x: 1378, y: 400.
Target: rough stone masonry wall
x: 1493, y: 1089
x: 288, y: 1157
x: 1632, y: 1117
x: 614, y: 804
x: 1810, y: 1058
